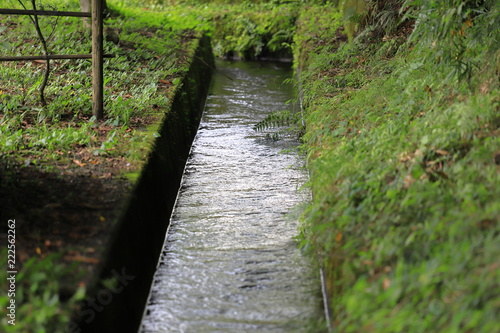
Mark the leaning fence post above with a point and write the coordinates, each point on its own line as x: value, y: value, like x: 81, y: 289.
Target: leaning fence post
x: 97, y: 59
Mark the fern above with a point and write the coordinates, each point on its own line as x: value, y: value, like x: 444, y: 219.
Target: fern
x: 288, y: 124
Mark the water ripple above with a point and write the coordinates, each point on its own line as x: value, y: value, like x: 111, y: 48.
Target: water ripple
x: 229, y: 263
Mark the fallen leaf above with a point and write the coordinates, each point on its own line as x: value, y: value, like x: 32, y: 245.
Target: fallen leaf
x: 338, y: 237
x: 87, y: 260
x: 497, y: 159
x: 80, y: 164
x: 408, y: 180
x: 486, y: 224
x: 386, y: 283
x: 164, y: 81
x: 106, y: 175
x: 367, y: 262
x: 38, y: 250
x: 442, y: 152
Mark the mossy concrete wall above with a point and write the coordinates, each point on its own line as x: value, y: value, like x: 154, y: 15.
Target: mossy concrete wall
x: 139, y: 236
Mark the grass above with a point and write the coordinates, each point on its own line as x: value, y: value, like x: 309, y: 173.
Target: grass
x: 404, y: 155
x: 148, y: 60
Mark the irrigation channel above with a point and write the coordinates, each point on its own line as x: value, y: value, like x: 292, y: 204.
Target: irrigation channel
x: 229, y: 262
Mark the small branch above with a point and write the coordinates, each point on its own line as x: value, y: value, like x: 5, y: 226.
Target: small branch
x: 46, y: 52
x: 26, y: 10
x: 213, y: 68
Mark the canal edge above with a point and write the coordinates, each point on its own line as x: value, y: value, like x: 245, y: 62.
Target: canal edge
x: 327, y: 309
x: 138, y: 236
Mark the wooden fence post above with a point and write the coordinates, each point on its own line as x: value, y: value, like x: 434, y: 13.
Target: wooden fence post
x: 97, y: 59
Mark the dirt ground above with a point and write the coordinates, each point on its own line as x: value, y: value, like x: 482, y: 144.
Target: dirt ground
x: 69, y: 206
x: 70, y: 211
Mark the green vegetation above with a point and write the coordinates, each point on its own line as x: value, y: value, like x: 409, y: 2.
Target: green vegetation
x: 284, y: 124
x: 401, y: 102
x: 251, y: 31
x: 404, y: 152
x: 40, y: 289
x: 148, y: 59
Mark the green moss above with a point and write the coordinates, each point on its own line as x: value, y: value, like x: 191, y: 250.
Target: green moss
x: 404, y: 158
x: 132, y: 176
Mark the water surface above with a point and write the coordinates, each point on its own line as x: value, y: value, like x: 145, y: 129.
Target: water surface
x: 229, y: 262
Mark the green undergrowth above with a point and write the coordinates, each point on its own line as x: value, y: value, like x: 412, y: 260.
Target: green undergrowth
x: 403, y: 143
x: 255, y: 31
x: 149, y: 60
x: 38, y: 290
x: 248, y: 29
x: 402, y: 137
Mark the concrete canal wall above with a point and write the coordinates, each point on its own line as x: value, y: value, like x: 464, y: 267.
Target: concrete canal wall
x: 139, y: 234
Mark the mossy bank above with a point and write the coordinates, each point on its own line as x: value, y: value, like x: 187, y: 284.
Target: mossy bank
x: 403, y: 149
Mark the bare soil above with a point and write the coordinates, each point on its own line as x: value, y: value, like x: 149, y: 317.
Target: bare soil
x: 70, y: 211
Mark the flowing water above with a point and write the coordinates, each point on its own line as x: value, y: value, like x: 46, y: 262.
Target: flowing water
x: 229, y: 262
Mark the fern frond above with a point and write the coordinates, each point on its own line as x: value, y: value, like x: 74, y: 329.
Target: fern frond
x: 277, y: 119
x: 288, y: 124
